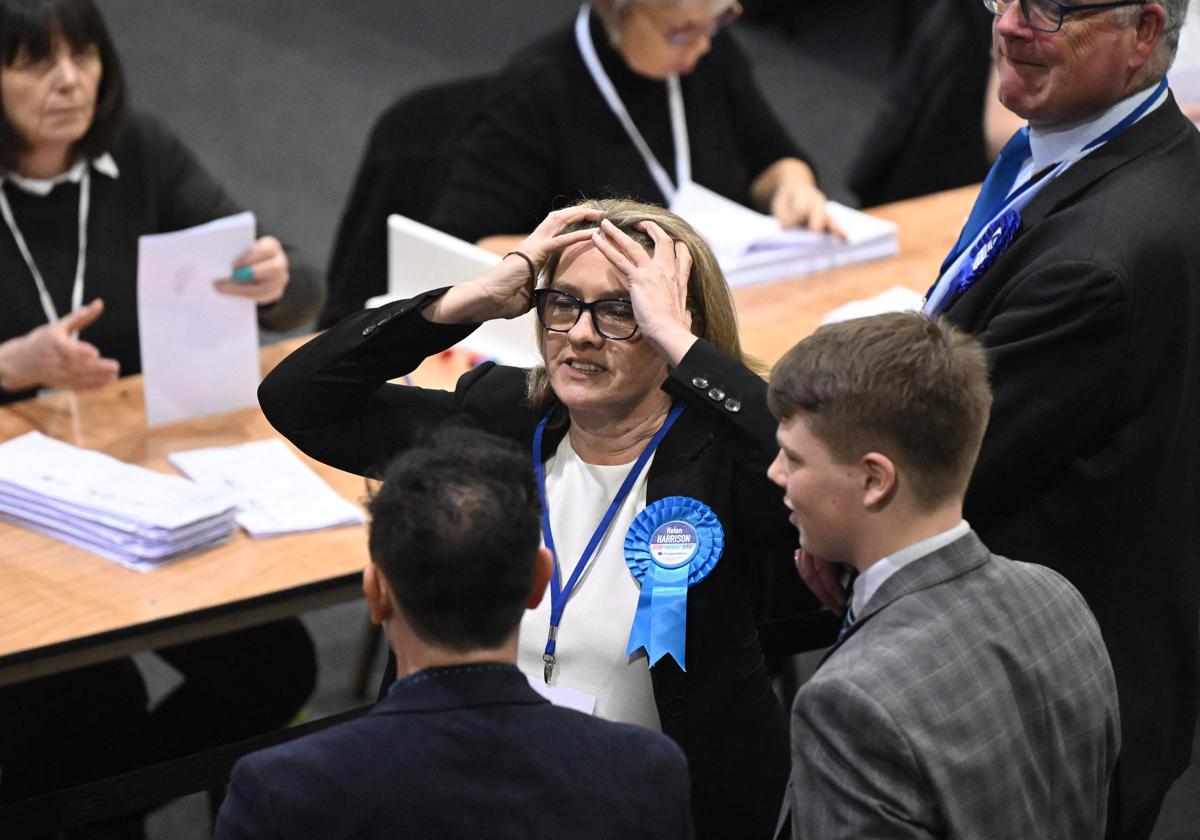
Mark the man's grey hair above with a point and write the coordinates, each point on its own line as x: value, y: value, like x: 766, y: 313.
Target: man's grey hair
x: 1168, y: 42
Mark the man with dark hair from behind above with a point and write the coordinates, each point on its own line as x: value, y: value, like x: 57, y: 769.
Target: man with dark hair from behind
x: 461, y: 746
x: 968, y: 695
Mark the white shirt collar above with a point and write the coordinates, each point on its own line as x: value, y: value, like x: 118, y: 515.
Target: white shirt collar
x: 1055, y: 145
x: 868, y: 583
x: 104, y: 164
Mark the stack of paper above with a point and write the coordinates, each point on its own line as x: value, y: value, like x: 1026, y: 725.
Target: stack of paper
x: 752, y: 248
x: 276, y: 492
x: 137, y: 517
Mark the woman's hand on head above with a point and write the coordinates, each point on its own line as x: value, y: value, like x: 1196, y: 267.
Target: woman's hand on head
x: 506, y: 291
x: 51, y: 356
x: 658, y: 285
x: 260, y: 274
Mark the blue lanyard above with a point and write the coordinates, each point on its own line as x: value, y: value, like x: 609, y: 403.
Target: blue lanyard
x: 1113, y: 132
x: 1131, y: 119
x: 560, y: 594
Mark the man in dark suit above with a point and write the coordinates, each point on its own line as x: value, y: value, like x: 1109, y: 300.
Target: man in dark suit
x: 461, y: 746
x: 969, y: 695
x: 1084, y: 286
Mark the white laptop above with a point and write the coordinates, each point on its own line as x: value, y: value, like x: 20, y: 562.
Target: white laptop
x: 421, y: 258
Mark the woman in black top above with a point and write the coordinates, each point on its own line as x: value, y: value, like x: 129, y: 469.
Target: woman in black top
x: 76, y: 171
x: 69, y: 154
x: 547, y: 134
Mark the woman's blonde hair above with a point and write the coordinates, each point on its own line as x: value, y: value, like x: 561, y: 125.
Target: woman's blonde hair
x: 708, y: 297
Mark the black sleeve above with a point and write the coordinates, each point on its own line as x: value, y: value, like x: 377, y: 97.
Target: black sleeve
x: 332, y: 397
x: 504, y: 173
x: 760, y: 136
x: 789, y: 617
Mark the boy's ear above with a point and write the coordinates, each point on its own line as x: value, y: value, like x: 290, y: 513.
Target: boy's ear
x: 880, y: 479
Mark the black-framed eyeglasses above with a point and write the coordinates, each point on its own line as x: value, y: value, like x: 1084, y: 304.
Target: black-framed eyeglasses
x: 559, y: 312
x: 1047, y: 15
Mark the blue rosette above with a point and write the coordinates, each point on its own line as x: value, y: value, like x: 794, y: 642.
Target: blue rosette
x: 995, y: 241
x: 671, y: 545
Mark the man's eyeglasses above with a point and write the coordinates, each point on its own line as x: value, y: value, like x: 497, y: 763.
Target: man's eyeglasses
x: 680, y: 35
x: 559, y: 312
x: 1047, y: 15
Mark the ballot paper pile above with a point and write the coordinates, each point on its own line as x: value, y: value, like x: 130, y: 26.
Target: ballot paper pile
x: 752, y: 248
x: 137, y: 517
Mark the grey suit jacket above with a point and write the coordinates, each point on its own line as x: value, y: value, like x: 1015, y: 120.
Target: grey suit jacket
x: 972, y: 698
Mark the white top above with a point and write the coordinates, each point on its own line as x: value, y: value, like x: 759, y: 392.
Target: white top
x: 868, y: 583
x: 594, y: 632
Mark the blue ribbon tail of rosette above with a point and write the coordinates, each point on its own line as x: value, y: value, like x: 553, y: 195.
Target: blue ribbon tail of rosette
x: 672, y: 544
x: 660, y: 623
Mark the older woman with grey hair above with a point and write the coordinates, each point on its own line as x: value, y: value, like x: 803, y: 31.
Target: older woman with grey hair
x: 637, y: 98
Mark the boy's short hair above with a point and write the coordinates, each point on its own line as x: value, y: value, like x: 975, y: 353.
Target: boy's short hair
x: 911, y: 387
x: 455, y: 530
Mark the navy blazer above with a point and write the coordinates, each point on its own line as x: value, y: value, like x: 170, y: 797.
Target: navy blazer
x: 1091, y: 320
x: 331, y: 399
x: 463, y: 752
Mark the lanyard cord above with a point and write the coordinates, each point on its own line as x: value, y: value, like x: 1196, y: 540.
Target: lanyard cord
x: 85, y: 196
x: 683, y: 155
x: 560, y: 592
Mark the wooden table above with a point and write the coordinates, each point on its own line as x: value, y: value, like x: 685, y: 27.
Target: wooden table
x: 771, y: 318
x: 61, y: 607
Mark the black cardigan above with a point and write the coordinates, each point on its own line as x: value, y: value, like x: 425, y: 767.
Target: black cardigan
x: 161, y: 187
x: 331, y: 399
x: 545, y: 136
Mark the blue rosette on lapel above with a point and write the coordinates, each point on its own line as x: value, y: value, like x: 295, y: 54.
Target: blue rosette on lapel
x: 671, y: 545
x: 994, y: 242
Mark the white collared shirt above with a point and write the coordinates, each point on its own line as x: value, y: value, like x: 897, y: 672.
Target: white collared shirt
x: 868, y: 582
x: 104, y: 164
x: 1055, y: 145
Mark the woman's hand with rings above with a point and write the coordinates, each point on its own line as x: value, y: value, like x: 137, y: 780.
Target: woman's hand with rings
x: 260, y: 274
x: 658, y: 285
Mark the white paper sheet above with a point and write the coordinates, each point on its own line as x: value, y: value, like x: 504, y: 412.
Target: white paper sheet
x: 895, y: 299
x: 199, y: 347
x: 752, y: 248
x: 276, y: 492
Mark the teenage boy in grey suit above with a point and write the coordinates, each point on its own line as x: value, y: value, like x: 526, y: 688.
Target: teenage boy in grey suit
x: 969, y: 695
x: 461, y: 746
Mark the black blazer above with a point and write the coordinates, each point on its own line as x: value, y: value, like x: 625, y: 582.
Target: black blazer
x: 463, y: 752
x: 1091, y: 319
x: 331, y: 399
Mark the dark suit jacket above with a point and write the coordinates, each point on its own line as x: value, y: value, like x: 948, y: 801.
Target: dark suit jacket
x: 464, y: 752
x: 1091, y: 320
x: 331, y: 400
x: 973, y: 697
